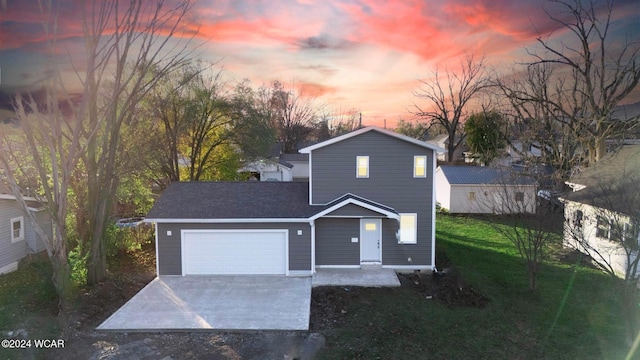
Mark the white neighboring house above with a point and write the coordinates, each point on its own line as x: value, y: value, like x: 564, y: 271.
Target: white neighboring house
x: 442, y: 141
x: 17, y: 236
x: 300, y: 162
x: 269, y: 170
x: 602, y: 214
x: 516, y: 153
x: 484, y: 190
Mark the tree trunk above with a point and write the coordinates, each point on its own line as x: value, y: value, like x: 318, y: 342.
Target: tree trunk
x: 451, y: 148
x: 61, y: 276
x: 533, y: 276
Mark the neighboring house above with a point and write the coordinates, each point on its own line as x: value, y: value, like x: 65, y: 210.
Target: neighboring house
x: 283, y: 167
x: 17, y: 236
x: 517, y: 153
x: 480, y: 189
x: 370, y: 199
x: 300, y: 163
x: 442, y: 141
x: 602, y: 214
x: 269, y: 170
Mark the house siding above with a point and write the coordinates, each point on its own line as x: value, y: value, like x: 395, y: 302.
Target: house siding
x: 170, y: 251
x: 485, y: 198
x: 598, y: 247
x: 333, y: 242
x: 10, y: 252
x: 34, y: 241
x: 390, y: 182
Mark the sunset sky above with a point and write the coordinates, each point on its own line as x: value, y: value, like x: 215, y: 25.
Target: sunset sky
x: 364, y: 54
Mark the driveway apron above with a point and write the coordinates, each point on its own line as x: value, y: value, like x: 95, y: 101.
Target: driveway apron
x: 235, y: 302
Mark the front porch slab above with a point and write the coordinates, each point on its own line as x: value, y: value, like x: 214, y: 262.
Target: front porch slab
x: 366, y: 277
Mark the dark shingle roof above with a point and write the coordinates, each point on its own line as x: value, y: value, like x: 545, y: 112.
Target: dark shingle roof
x: 612, y: 183
x: 233, y: 200
x: 622, y: 163
x: 478, y: 175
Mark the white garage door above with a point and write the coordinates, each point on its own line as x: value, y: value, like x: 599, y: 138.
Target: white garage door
x: 226, y: 252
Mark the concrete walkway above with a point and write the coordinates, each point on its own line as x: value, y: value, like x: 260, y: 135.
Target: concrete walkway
x: 216, y: 302
x: 368, y: 277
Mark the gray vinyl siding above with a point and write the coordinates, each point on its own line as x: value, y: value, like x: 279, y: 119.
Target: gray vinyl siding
x: 169, y: 247
x: 390, y: 182
x: 333, y: 241
x: 35, y: 243
x: 354, y: 210
x: 10, y: 252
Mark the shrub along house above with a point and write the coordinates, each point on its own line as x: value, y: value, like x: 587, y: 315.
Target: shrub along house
x: 370, y: 199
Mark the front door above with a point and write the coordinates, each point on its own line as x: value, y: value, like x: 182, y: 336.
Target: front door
x: 370, y: 240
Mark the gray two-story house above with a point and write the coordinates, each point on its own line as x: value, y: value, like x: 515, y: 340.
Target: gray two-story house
x: 370, y: 199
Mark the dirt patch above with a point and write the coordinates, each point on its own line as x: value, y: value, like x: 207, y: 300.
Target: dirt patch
x: 329, y: 305
x: 131, y: 272
x: 446, y: 287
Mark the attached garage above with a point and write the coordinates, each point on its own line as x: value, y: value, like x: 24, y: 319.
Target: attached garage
x: 234, y: 252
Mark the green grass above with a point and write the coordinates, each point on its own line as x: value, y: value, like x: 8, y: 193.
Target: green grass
x: 28, y: 302
x: 572, y: 315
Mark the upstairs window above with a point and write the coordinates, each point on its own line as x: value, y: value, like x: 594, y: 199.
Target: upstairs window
x: 408, y: 233
x: 362, y: 166
x: 17, y: 229
x: 419, y: 166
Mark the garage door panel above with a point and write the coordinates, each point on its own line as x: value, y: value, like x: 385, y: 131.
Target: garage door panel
x: 234, y: 252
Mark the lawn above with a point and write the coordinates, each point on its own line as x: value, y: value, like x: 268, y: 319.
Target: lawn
x: 572, y: 315
x: 28, y: 304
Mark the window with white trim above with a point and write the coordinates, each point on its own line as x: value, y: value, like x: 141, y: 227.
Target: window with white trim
x: 419, y: 166
x: 471, y: 195
x: 17, y: 229
x: 408, y: 233
x: 362, y: 166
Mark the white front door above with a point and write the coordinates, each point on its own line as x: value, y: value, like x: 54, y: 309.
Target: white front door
x: 370, y: 240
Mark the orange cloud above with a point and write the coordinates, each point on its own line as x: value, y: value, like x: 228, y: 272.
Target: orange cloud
x: 311, y: 89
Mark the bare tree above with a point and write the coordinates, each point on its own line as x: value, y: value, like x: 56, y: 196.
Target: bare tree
x: 597, y: 72
x: 512, y: 198
x: 51, y: 132
x: 416, y: 129
x: 294, y: 115
x: 123, y: 45
x: 603, y: 222
x: 447, y: 99
x: 540, y: 108
x: 335, y: 122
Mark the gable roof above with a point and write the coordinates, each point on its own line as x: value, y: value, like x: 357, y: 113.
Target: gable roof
x: 482, y: 175
x: 624, y: 161
x: 349, y: 135
x: 612, y: 183
x: 359, y: 201
x: 220, y: 201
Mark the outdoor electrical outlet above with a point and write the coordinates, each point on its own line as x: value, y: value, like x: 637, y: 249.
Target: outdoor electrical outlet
x: 409, y: 259
x: 354, y: 240
x: 299, y: 232
x: 168, y: 232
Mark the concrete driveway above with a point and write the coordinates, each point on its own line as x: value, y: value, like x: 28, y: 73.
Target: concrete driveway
x: 216, y: 302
